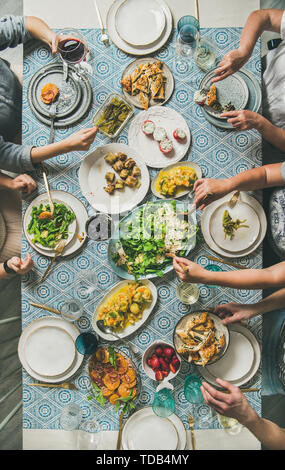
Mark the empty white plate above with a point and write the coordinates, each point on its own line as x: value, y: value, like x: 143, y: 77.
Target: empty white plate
x: 237, y: 361
x: 50, y: 351
x: 244, y: 237
x: 139, y: 22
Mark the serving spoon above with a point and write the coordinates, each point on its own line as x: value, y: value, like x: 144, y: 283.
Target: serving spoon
x: 108, y: 330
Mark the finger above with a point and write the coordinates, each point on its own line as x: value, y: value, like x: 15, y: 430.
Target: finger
x: 230, y: 319
x: 92, y: 131
x: 177, y: 267
x: 230, y: 113
x: 211, y: 402
x: 217, y: 395
x: 222, y: 76
x: 221, y: 68
x: 227, y: 385
x: 198, y: 183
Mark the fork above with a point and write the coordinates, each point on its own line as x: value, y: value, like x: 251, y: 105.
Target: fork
x: 234, y: 199
x: 104, y: 37
x: 52, y: 114
x: 58, y: 251
x: 191, y: 425
x: 67, y: 385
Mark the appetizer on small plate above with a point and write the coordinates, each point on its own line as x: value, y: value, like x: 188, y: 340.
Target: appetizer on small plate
x: 176, y: 180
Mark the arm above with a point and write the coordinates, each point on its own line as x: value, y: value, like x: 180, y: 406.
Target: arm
x: 235, y: 405
x: 250, y: 180
x: 257, y: 22
x: 18, y: 265
x: 234, y: 312
x: 240, y: 279
x: 40, y: 30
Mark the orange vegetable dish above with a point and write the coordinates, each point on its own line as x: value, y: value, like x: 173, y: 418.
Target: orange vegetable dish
x: 116, y: 380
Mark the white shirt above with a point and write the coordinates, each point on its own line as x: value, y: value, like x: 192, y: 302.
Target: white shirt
x: 274, y: 82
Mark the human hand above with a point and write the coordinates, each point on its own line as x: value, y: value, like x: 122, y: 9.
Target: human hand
x: 243, y: 120
x: 208, y: 190
x: 21, y: 266
x: 81, y: 140
x: 187, y: 270
x: 234, y: 312
x: 232, y: 404
x: 23, y: 183
x: 230, y: 63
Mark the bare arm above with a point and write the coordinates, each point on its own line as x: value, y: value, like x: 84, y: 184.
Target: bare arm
x: 273, y: 276
x: 250, y: 180
x: 235, y: 405
x: 40, y: 30
x: 257, y: 22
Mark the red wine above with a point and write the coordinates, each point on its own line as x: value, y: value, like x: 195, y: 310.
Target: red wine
x: 72, y: 50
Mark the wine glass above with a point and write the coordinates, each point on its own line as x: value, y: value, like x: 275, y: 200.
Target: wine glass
x: 188, y: 32
x: 72, y: 48
x: 230, y: 425
x: 206, y: 54
x: 86, y: 285
x: 89, y: 435
x: 71, y: 310
x: 70, y: 417
x: 187, y: 293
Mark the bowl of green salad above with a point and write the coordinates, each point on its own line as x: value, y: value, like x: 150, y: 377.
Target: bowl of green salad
x: 144, y: 242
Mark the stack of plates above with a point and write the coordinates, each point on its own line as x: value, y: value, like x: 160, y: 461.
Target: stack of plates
x: 74, y: 99
x: 139, y: 27
x: 246, y: 239
x: 47, y: 350
x: 144, y: 430
x: 241, y: 361
x: 77, y: 234
x: 242, y: 89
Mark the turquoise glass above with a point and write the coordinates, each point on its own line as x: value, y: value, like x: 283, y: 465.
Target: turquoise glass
x: 188, y: 28
x: 213, y: 267
x: 163, y: 404
x: 86, y: 343
x: 192, y: 389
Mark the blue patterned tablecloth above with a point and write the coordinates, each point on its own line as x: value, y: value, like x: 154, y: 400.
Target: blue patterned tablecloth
x: 220, y: 154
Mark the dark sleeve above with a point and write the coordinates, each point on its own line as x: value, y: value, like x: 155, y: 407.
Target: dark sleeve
x: 13, y: 31
x: 15, y: 158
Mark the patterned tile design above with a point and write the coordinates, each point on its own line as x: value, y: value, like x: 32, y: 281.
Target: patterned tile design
x: 220, y: 153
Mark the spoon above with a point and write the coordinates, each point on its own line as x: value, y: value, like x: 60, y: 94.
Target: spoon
x: 104, y: 37
x: 106, y: 329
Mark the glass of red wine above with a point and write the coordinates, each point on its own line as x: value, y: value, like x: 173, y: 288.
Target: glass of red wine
x: 72, y: 47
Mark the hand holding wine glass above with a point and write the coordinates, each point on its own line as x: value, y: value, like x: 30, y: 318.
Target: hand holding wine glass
x: 72, y: 47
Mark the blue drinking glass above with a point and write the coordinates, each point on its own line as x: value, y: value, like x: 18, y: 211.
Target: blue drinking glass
x: 192, y: 389
x: 188, y: 28
x: 86, y: 343
x: 163, y: 404
x: 213, y: 267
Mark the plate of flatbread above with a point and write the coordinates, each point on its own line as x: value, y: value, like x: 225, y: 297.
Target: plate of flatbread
x: 147, y: 82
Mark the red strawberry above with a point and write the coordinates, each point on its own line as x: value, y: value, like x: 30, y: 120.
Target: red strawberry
x: 168, y: 351
x: 149, y: 362
x: 172, y: 368
x: 159, y: 375
x: 163, y: 364
x: 165, y: 373
x: 158, y: 351
x: 155, y: 362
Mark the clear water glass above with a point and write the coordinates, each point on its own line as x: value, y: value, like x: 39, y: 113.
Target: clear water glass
x: 187, y: 293
x: 71, y: 310
x: 192, y: 389
x: 206, y: 54
x: 70, y: 417
x: 86, y: 343
x: 187, y: 35
x: 230, y: 425
x: 89, y: 435
x: 86, y: 285
x: 163, y: 403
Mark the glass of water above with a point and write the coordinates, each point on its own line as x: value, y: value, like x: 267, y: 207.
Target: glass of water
x: 192, y: 389
x: 187, y: 36
x: 89, y: 435
x: 230, y: 425
x: 71, y: 310
x: 187, y: 293
x: 70, y: 417
x: 163, y: 404
x: 86, y: 285
x: 205, y: 54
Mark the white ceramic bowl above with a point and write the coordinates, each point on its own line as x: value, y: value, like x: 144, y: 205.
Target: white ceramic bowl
x: 149, y: 352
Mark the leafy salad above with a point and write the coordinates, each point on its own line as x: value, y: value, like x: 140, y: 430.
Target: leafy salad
x: 147, y: 238
x: 48, y: 229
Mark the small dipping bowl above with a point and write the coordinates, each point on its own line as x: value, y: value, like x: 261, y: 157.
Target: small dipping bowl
x: 99, y: 227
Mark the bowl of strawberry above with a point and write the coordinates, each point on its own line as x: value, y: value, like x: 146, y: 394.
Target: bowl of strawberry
x: 160, y: 362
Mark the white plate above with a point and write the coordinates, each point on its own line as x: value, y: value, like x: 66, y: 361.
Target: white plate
x: 244, y: 237
x: 3, y: 231
x: 171, y: 167
x: 50, y: 322
x: 71, y: 228
x: 81, y: 215
x: 49, y: 350
x: 140, y: 22
x: 92, y: 181
x: 131, y: 328
x: 205, y: 225
x: 169, y: 86
x: 144, y: 430
x: 237, y: 361
x: 237, y: 327
x: 138, y: 50
x: 148, y: 148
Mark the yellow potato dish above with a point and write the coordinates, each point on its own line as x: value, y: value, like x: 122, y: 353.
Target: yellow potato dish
x: 171, y: 182
x: 126, y: 306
